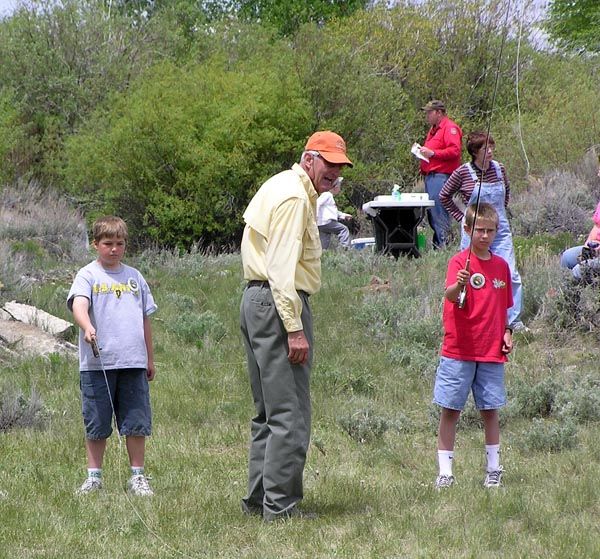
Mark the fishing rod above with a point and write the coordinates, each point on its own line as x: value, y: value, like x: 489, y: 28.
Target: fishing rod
x: 96, y: 350
x: 462, y: 296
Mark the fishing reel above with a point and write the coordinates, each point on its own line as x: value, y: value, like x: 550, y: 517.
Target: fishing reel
x: 95, y: 348
x: 462, y: 297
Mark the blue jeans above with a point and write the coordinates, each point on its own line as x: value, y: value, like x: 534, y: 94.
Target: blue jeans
x: 438, y: 217
x: 570, y: 259
x: 130, y: 396
x: 454, y: 380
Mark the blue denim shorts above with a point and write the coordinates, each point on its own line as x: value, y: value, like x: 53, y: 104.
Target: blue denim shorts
x: 454, y: 379
x: 131, y: 399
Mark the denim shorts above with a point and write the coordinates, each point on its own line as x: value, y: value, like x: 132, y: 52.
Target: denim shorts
x: 131, y: 399
x: 454, y: 379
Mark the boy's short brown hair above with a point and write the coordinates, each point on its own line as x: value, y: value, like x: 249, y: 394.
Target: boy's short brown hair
x: 486, y: 211
x: 109, y: 226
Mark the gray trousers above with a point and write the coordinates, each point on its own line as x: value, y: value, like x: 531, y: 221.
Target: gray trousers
x: 280, y: 431
x: 334, y: 228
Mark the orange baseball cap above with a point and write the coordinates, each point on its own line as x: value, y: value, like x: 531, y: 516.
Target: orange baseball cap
x: 330, y: 146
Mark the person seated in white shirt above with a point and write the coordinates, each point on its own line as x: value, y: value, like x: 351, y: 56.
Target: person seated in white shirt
x: 328, y: 218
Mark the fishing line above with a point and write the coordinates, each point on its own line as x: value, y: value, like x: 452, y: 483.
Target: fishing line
x: 174, y: 551
x: 462, y: 297
x: 521, y: 17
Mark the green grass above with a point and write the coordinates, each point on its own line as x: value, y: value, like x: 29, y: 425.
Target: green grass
x: 374, y: 365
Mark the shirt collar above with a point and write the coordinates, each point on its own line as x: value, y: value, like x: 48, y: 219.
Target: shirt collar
x: 439, y: 124
x: 306, y: 182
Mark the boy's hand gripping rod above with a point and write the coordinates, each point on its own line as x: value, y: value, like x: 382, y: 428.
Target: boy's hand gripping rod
x: 462, y: 296
x: 95, y: 348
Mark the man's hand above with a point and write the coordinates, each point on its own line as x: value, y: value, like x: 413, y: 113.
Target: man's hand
x: 298, y: 347
x: 426, y: 152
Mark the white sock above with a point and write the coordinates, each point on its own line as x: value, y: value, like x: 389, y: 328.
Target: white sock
x: 445, y: 458
x: 137, y: 470
x: 492, y: 453
x: 95, y: 472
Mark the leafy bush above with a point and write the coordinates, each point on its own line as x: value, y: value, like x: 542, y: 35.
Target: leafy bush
x: 536, y: 400
x: 580, y: 402
x: 351, y: 380
x: 17, y: 411
x: 550, y: 436
x: 560, y: 202
x: 37, y: 228
x: 197, y: 328
x: 575, y: 306
x: 412, y: 320
x: 364, y: 426
x: 416, y: 358
x: 181, y: 153
x: 181, y: 302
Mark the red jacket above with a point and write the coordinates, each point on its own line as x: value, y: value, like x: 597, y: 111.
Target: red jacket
x: 445, y: 140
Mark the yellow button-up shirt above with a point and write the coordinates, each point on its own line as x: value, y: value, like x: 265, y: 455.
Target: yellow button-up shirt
x: 281, y: 241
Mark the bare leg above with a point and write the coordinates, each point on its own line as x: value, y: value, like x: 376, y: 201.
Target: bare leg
x: 95, y: 452
x: 491, y: 426
x: 136, y: 448
x: 447, y: 430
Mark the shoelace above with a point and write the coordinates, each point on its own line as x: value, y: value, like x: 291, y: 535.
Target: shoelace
x: 493, y: 478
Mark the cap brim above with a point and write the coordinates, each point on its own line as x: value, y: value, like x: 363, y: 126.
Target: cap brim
x: 336, y: 158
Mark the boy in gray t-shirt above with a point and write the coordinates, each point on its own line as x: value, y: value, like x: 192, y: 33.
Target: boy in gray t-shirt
x: 111, y: 304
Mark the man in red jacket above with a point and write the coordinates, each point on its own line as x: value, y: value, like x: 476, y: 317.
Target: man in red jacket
x: 442, y: 147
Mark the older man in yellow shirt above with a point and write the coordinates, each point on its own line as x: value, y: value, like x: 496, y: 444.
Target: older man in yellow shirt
x: 281, y: 255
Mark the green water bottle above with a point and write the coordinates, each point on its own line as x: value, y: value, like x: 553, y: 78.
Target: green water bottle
x: 421, y: 239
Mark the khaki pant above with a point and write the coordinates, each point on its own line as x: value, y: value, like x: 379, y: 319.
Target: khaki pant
x: 280, y: 431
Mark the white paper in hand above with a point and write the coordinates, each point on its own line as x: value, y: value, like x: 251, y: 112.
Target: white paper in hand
x: 415, y: 151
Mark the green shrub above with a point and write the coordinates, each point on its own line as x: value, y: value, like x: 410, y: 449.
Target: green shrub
x: 416, y: 358
x: 180, y: 154
x: 536, y: 400
x: 351, y: 380
x: 550, y: 436
x: 576, y: 306
x: 365, y: 426
x: 560, y: 202
x: 18, y: 411
x: 181, y: 302
x: 198, y: 328
x: 581, y: 401
x: 410, y: 319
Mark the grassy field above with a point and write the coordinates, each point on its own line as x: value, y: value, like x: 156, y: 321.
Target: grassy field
x: 372, y: 461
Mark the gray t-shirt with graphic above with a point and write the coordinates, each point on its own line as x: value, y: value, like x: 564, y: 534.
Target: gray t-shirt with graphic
x: 119, y: 301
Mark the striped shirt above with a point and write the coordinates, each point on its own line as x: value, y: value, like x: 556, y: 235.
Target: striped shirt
x: 461, y: 182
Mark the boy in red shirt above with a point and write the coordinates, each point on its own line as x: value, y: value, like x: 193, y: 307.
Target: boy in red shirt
x: 476, y: 343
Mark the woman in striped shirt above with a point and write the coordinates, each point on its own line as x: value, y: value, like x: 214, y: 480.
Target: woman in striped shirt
x: 485, y: 174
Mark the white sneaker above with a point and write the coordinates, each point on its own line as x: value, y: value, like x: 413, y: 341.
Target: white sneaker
x: 493, y: 479
x: 444, y: 481
x: 90, y: 485
x: 138, y: 485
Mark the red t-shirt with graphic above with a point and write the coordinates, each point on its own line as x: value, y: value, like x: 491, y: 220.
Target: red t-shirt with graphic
x: 476, y: 332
